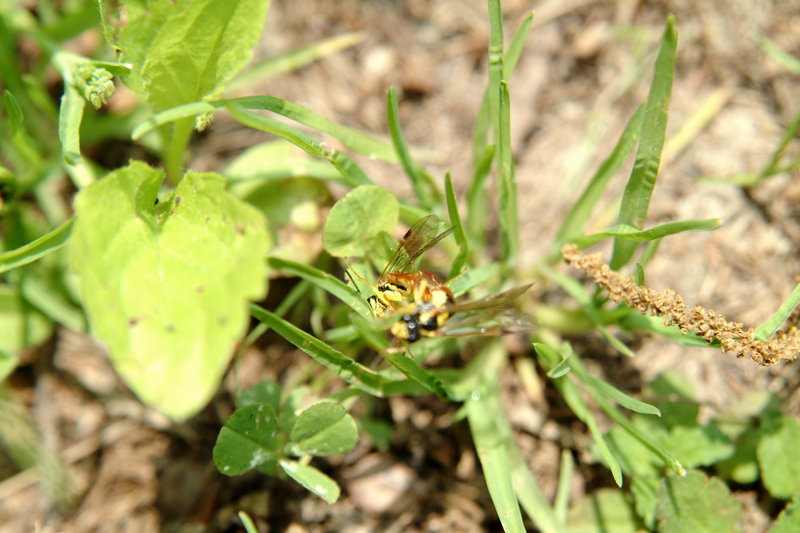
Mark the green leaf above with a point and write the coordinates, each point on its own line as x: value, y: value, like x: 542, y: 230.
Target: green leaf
x: 626, y: 232
x: 247, y: 440
x: 742, y: 466
x: 418, y: 374
x: 458, y: 229
x: 575, y: 220
x: 165, y: 286
x: 37, y: 248
x: 265, y: 391
x: 789, y: 519
x: 357, y: 218
x: 639, y: 189
x: 604, y: 511
x: 490, y: 432
x: 324, y: 429
x: 768, y: 328
x: 312, y: 479
x: 346, y: 368
x: 185, y: 51
x: 777, y: 456
x: 70, y: 116
x: 696, y: 503
x: 698, y: 445
x: 20, y: 326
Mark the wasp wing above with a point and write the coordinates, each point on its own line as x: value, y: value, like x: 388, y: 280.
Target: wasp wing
x: 499, y: 301
x: 418, y: 239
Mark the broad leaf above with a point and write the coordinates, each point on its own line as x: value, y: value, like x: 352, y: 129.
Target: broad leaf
x: 357, y: 218
x: 312, y: 479
x: 696, y: 503
x: 166, y: 285
x: 248, y: 439
x: 183, y: 51
x: 777, y: 456
x: 324, y: 429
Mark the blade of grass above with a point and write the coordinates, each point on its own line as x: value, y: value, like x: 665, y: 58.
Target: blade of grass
x: 423, y: 185
x: 35, y: 249
x: 325, y: 281
x: 561, y: 503
x: 490, y: 443
x: 458, y: 228
x: 408, y: 367
x: 639, y: 189
x: 346, y: 368
x: 351, y: 173
x: 774, y: 164
x: 508, y: 216
x: 788, y: 61
x: 578, y: 215
x: 773, y: 323
x: 477, y: 201
x: 294, y: 60
x: 579, y: 294
x: 352, y: 138
x: 624, y: 231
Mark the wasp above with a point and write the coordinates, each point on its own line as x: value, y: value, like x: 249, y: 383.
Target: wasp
x: 399, y: 286
x: 491, y: 315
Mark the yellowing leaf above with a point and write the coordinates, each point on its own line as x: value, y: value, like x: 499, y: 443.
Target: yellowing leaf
x: 165, y: 285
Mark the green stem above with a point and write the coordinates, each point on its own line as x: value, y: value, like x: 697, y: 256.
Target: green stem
x: 176, y: 149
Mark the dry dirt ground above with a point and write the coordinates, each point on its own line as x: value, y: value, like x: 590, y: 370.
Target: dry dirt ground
x: 585, y: 68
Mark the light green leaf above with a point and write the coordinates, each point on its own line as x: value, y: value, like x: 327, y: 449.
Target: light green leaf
x: 789, y: 519
x: 247, y: 440
x: 642, y: 182
x: 36, y: 249
x: 184, y: 51
x: 324, y: 429
x: 777, y: 456
x: 265, y: 391
x: 357, y: 218
x: 20, y: 326
x: 312, y: 479
x: 696, y: 503
x: 698, y: 445
x: 605, y: 510
x: 165, y: 286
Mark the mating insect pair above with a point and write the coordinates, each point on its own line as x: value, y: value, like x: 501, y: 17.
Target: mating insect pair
x: 426, y: 306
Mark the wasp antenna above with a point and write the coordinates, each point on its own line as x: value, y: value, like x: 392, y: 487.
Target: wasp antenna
x: 353, y: 281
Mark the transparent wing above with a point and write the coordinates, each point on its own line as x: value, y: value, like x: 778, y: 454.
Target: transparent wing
x: 418, y: 239
x: 492, y: 315
x: 496, y: 302
x: 486, y: 322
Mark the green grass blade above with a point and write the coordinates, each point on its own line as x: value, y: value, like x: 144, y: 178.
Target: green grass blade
x: 788, y: 61
x: 773, y: 323
x: 424, y: 188
x: 601, y: 387
x: 294, y: 60
x: 35, y: 249
x: 325, y: 281
x: 529, y: 494
x: 509, y: 217
x: 639, y: 189
x: 484, y: 410
x: 346, y: 368
x: 458, y: 228
x: 69, y: 122
x: 352, y: 138
x: 173, y: 114
x: 578, y: 215
x: 623, y: 231
x: 514, y: 50
x: 636, y: 433
x: 561, y: 503
x: 351, y: 173
x: 477, y: 201
x: 408, y: 367
x: 579, y: 294
x: 774, y: 165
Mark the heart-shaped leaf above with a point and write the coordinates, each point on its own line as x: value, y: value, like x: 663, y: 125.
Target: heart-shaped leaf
x: 248, y: 439
x: 324, y: 429
x: 165, y: 285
